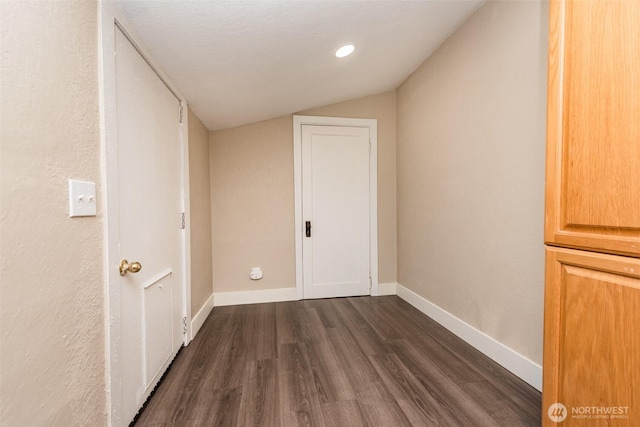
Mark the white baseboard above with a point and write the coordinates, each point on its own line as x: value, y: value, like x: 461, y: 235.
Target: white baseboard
x: 519, y: 365
x: 198, y: 320
x: 386, y: 289
x: 255, y: 297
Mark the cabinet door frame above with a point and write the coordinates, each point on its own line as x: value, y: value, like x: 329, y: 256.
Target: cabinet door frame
x: 557, y: 261
x: 558, y: 231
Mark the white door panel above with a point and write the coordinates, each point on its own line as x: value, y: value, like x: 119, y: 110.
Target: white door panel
x: 335, y: 182
x: 159, y: 328
x: 149, y: 205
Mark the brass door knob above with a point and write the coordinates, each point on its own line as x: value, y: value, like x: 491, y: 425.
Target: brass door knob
x: 125, y: 267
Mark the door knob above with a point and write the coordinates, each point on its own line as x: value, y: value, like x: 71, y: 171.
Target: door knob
x: 125, y: 267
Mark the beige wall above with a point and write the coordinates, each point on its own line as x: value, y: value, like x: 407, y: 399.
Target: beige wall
x: 383, y: 108
x: 52, y: 369
x: 252, y: 196
x: 471, y: 145
x: 252, y: 205
x: 200, y: 213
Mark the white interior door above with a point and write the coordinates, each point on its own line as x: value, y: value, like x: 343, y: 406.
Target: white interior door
x: 149, y: 228
x: 335, y: 211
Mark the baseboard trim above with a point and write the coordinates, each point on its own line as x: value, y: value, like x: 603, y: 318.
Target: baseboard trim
x: 518, y: 364
x: 254, y: 297
x: 386, y: 289
x: 198, y: 320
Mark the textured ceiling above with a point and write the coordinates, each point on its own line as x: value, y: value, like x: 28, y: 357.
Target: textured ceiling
x: 240, y: 62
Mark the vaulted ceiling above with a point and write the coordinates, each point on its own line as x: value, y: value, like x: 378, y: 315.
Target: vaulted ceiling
x: 240, y: 62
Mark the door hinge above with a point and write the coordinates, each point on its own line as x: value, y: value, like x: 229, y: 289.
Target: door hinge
x: 184, y: 325
x: 181, y: 113
x: 370, y: 284
x: 369, y: 146
x: 183, y: 221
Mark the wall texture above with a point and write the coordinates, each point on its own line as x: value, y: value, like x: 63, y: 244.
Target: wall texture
x: 471, y: 144
x: 253, y: 196
x: 199, y: 214
x: 252, y: 205
x: 383, y: 108
x: 52, y: 369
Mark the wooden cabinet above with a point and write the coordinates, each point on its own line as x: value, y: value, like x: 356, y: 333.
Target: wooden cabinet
x: 592, y: 339
x: 591, y: 366
x: 593, y: 130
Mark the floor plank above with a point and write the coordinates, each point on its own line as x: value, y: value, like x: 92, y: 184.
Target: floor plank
x: 343, y: 414
x: 329, y: 377
x: 299, y: 403
x: 358, y: 361
x: 260, y: 395
x: 380, y: 409
x: 451, y: 398
x: 356, y: 365
x: 416, y: 402
x: 287, y: 323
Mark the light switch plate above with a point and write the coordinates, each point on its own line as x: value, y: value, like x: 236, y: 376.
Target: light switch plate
x: 82, y: 198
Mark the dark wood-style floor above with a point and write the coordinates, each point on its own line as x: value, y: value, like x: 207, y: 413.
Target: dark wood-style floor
x: 337, y: 362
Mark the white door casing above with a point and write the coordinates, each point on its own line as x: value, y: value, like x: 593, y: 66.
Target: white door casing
x: 335, y: 162
x: 139, y: 178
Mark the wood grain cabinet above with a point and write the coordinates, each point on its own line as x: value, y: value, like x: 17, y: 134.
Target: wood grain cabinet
x: 592, y: 339
x: 591, y: 366
x: 593, y: 127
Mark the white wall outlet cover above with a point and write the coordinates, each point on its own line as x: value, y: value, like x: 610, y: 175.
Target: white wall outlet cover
x: 82, y: 198
x: 256, y: 273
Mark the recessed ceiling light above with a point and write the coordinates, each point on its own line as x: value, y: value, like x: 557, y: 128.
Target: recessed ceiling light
x: 345, y: 50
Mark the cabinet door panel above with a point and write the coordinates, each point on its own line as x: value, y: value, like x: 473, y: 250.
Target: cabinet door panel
x: 593, y: 151
x: 591, y: 339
